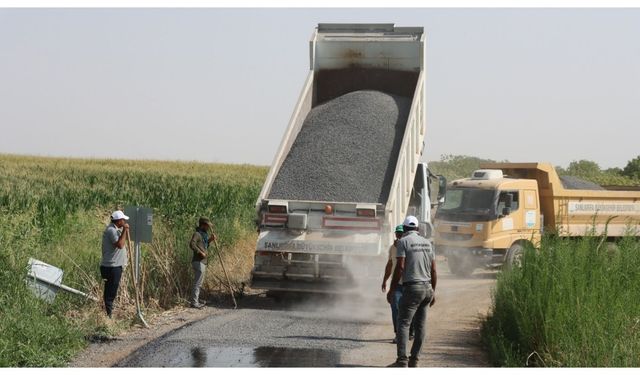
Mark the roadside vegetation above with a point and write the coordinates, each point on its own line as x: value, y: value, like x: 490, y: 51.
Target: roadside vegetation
x: 574, y: 303
x: 55, y: 210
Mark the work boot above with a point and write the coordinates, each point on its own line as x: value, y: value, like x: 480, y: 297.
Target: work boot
x: 413, y: 362
x: 400, y: 362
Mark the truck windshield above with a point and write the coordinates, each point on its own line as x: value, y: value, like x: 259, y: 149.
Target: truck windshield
x: 468, y: 205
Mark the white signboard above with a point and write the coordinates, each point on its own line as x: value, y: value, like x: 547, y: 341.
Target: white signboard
x: 603, y: 207
x: 530, y: 218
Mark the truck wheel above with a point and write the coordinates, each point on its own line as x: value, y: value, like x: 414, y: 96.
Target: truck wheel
x: 460, y: 267
x: 514, y: 256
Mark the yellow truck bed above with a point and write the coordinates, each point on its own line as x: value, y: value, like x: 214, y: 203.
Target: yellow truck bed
x: 576, y: 212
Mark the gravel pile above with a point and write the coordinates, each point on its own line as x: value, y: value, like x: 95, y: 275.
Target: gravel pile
x: 346, y: 150
x: 574, y: 183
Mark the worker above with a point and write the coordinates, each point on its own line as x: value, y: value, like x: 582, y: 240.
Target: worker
x: 390, y: 266
x: 416, y: 270
x: 114, y: 257
x: 199, y: 244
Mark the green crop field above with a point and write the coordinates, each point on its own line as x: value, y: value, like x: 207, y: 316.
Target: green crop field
x: 55, y: 210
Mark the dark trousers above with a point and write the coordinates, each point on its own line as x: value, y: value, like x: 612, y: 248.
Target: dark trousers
x: 413, y: 308
x: 111, y: 276
x: 395, y: 302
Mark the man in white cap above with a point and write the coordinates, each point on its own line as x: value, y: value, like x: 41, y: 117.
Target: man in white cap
x: 114, y: 257
x: 416, y: 270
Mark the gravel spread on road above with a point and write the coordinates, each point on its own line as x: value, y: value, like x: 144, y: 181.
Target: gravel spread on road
x: 240, y: 335
x: 346, y: 150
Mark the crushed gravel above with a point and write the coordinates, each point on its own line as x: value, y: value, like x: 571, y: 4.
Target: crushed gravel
x: 575, y: 183
x: 346, y: 150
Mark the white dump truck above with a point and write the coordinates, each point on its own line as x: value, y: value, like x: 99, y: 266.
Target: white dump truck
x: 328, y: 245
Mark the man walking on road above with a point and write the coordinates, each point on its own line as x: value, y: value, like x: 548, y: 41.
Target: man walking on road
x: 416, y: 269
x: 390, y: 266
x: 114, y: 257
x: 199, y: 244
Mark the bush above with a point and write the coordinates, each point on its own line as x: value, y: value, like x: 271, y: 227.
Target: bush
x: 574, y: 303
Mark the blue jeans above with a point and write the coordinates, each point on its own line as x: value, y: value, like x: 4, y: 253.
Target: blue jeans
x: 413, y: 309
x: 395, y: 302
x: 199, y: 269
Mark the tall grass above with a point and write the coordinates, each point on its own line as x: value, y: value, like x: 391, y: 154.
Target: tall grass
x: 55, y: 210
x: 574, y: 303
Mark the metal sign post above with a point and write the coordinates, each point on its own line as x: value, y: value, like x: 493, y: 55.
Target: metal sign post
x: 140, y: 228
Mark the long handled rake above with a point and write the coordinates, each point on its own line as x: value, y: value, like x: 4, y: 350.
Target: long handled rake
x: 233, y: 298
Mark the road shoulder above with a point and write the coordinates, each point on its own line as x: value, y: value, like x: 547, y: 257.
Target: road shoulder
x: 111, y: 352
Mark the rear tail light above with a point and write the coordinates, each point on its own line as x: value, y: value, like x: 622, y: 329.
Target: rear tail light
x: 366, y: 212
x: 278, y: 209
x: 276, y: 219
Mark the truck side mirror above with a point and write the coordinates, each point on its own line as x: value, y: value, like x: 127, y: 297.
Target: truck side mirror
x: 442, y: 188
x: 508, y: 201
x: 425, y: 229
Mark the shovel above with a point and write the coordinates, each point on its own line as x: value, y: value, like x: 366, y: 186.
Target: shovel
x: 135, y: 283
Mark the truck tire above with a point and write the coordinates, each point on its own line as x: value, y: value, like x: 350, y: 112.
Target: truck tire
x: 514, y: 256
x: 460, y: 267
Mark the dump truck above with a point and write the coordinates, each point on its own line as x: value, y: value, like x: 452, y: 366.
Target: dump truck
x: 488, y: 219
x: 325, y: 243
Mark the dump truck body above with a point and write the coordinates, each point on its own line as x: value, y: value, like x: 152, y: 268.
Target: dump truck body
x: 475, y: 227
x: 327, y: 245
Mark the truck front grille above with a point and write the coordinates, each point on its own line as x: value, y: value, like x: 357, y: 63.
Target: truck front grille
x: 456, y: 236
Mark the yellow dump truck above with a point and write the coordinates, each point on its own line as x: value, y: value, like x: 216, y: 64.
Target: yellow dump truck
x: 488, y: 218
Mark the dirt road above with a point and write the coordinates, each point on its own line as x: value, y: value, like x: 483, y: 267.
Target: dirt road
x: 263, y: 333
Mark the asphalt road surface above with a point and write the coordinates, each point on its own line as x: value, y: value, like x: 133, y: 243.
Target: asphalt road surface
x: 344, y: 332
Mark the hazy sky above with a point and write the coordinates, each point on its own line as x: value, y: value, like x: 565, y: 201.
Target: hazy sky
x: 220, y: 84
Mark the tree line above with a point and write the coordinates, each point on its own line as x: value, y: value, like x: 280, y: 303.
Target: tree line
x: 460, y: 166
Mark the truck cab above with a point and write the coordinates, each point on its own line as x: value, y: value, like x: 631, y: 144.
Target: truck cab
x: 484, y: 217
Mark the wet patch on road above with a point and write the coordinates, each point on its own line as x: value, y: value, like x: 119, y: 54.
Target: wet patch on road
x: 263, y: 356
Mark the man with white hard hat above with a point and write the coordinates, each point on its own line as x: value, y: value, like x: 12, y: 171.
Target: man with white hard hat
x: 114, y: 257
x: 416, y: 270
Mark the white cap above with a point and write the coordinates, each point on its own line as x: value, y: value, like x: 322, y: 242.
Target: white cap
x: 117, y: 215
x: 411, y: 222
